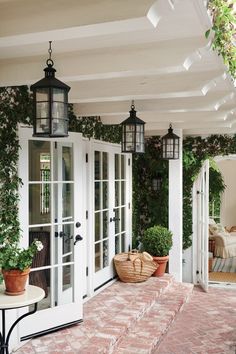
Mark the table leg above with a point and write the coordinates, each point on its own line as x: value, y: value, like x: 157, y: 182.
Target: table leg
x: 5, y: 340
x: 3, y: 334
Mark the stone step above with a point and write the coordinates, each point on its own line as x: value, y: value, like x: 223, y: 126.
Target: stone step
x: 124, y: 314
x: 123, y: 318
x: 148, y: 332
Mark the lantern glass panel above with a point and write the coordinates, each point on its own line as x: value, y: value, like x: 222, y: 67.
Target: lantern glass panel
x: 59, y: 127
x: 42, y: 126
x: 42, y: 94
x: 58, y: 110
x: 42, y: 110
x: 139, y: 138
x: 59, y: 95
x: 128, y: 137
x: 129, y: 146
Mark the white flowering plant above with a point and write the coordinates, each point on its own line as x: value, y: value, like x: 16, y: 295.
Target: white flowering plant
x: 13, y: 257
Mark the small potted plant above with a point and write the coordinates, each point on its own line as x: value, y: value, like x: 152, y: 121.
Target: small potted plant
x: 15, y: 263
x: 157, y: 240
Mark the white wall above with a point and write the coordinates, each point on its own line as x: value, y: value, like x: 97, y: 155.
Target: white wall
x: 228, y: 205
x: 176, y: 212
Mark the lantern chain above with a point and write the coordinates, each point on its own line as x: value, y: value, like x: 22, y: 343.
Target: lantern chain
x: 50, y: 61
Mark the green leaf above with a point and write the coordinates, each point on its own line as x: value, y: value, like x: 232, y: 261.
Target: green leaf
x: 207, y: 33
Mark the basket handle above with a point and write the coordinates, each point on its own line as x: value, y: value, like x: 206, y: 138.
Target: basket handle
x: 140, y: 260
x: 131, y: 252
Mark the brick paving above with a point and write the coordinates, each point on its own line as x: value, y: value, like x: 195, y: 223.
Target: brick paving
x: 207, y: 324
x: 144, y: 318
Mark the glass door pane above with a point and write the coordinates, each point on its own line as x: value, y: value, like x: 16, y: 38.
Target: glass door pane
x: 101, y: 206
x: 64, y: 224
x: 112, y: 229
x: 51, y: 218
x: 120, y: 203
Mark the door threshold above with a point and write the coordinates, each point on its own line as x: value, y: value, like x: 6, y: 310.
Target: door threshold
x: 225, y: 285
x: 98, y: 290
x: 50, y: 330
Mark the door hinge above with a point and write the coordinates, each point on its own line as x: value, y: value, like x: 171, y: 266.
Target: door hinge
x: 55, y: 144
x: 128, y: 205
x: 86, y: 214
x: 128, y: 162
x: 197, y: 272
x: 86, y: 157
x: 86, y: 271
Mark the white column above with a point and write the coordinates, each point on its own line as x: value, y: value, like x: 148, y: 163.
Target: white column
x: 176, y: 212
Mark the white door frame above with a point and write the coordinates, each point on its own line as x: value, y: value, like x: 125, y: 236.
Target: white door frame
x: 71, y: 312
x: 200, y: 226
x: 91, y: 146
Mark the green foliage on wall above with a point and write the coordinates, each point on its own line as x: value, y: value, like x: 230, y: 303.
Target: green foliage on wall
x: 195, y: 151
x: 216, y: 188
x: 15, y: 108
x: 92, y: 127
x: 149, y: 207
x: 224, y: 31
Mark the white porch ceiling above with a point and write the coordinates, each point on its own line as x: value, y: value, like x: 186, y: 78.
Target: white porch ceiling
x: 111, y: 52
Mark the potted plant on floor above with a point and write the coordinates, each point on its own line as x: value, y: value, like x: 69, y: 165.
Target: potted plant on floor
x: 15, y: 265
x: 157, y: 240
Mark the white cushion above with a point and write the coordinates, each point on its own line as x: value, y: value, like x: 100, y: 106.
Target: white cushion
x: 212, y: 222
x: 218, y: 229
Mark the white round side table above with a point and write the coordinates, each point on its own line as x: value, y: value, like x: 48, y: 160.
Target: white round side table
x: 32, y: 295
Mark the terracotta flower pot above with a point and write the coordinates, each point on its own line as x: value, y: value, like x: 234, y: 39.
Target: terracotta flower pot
x: 15, y: 281
x: 162, y: 262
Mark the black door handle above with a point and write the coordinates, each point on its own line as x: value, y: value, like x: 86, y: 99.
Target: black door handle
x: 78, y: 238
x: 114, y: 219
x: 78, y: 224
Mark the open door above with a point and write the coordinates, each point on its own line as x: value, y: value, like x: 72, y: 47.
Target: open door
x: 111, y: 209
x: 200, y: 226
x: 51, y: 210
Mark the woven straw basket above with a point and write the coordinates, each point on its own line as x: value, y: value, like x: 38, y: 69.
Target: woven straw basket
x: 134, y: 267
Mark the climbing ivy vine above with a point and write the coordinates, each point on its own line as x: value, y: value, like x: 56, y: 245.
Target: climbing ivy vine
x: 92, y: 127
x: 224, y: 31
x: 15, y: 108
x: 195, y: 151
x: 150, y: 207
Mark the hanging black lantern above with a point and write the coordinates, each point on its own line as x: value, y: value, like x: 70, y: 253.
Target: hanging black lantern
x: 170, y: 145
x: 50, y: 100
x: 133, y: 133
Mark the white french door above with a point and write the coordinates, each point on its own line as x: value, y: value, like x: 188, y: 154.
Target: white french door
x: 201, y: 226
x: 111, y: 209
x: 51, y: 210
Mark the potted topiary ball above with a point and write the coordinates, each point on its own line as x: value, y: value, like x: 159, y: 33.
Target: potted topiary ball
x: 157, y: 241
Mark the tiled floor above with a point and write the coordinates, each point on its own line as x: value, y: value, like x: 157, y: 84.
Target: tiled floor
x: 133, y: 318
